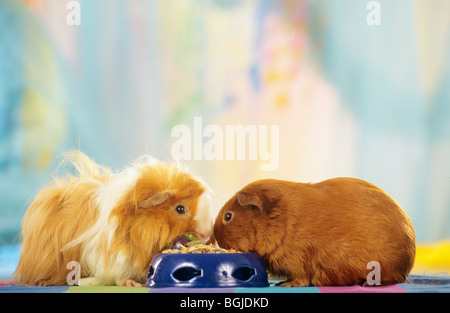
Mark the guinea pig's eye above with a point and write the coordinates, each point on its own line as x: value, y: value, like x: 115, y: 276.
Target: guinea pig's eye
x: 227, y: 216
x: 181, y: 209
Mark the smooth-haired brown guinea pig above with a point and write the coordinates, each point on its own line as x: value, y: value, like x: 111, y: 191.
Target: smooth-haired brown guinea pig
x: 319, y: 234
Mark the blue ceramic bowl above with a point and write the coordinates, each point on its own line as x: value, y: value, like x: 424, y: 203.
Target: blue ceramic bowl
x: 207, y: 270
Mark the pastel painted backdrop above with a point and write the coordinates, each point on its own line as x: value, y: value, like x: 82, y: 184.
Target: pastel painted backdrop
x: 350, y: 98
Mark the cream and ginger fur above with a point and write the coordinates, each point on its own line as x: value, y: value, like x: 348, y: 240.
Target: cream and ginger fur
x: 111, y: 223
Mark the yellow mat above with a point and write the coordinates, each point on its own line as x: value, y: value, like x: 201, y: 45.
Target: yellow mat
x: 432, y: 258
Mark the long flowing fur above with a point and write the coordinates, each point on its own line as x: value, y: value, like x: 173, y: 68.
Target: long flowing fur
x: 95, y: 218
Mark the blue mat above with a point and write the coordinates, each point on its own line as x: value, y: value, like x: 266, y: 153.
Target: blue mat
x: 9, y: 256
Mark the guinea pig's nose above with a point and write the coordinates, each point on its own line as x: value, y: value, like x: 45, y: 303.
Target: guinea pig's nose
x: 204, y: 238
x: 204, y: 231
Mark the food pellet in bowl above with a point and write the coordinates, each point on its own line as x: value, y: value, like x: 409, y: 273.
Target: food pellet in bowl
x: 195, y: 247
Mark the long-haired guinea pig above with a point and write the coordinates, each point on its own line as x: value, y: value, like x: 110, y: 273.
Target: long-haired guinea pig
x: 111, y: 223
x: 320, y: 234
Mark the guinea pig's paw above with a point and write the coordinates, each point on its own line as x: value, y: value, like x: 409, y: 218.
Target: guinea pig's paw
x: 42, y: 283
x: 130, y: 283
x: 88, y: 282
x: 296, y: 282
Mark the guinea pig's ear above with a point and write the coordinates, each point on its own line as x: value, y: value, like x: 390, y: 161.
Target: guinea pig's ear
x: 245, y: 198
x: 155, y: 200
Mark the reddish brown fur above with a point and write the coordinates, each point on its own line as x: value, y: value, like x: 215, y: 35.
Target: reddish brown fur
x: 320, y: 234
